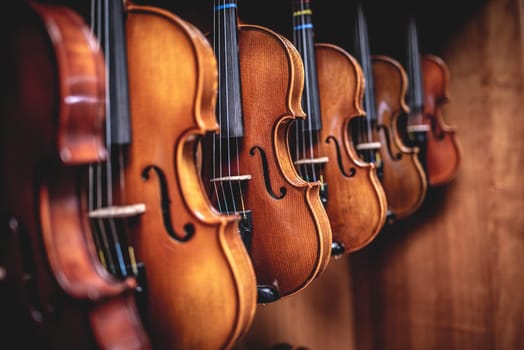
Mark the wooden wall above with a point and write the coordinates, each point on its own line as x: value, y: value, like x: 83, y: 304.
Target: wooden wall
x: 450, y: 276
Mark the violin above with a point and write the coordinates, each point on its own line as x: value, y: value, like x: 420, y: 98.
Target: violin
x: 404, y: 177
x: 376, y: 137
x: 247, y: 167
x: 440, y: 151
x: 65, y: 297
x: 332, y: 98
x: 201, y: 286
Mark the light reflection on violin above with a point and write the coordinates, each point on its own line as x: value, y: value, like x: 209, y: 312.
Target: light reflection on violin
x: 201, y: 288
x: 248, y: 170
x: 440, y: 151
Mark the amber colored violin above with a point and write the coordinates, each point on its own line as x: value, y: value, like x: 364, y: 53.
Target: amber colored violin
x: 52, y: 129
x: 201, y: 287
x: 404, y: 177
x: 248, y: 169
x: 428, y: 83
x: 356, y: 206
x: 376, y: 137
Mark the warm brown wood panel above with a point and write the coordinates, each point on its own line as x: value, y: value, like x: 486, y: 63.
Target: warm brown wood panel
x: 449, y: 277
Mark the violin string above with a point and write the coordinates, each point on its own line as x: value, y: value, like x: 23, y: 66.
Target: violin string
x: 226, y: 92
x: 358, y: 38
x: 91, y: 206
x: 308, y: 73
x: 366, y: 65
x: 307, y: 141
x: 308, y: 40
x: 214, y: 136
x: 95, y: 195
x: 412, y: 56
x: 232, y: 22
x: 237, y: 147
x: 219, y: 47
x: 420, y: 88
x: 109, y: 162
x: 367, y: 60
x: 297, y: 124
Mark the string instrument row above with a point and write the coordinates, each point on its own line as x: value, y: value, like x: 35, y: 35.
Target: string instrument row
x: 164, y: 182
x: 332, y: 98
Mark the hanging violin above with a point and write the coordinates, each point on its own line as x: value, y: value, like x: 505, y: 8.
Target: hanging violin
x: 376, y: 136
x: 332, y: 98
x: 428, y: 82
x: 201, y: 287
x: 404, y: 178
x: 247, y: 167
x: 55, y: 123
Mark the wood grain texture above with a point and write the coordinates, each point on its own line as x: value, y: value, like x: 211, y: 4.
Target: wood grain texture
x: 291, y: 236
x: 404, y: 178
x: 357, y: 204
x: 193, y: 283
x: 447, y: 277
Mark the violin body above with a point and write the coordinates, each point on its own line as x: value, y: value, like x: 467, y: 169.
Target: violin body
x: 404, y: 179
x: 291, y: 234
x: 357, y: 207
x: 65, y: 298
x: 201, y: 287
x: 442, y: 148
x: 294, y: 227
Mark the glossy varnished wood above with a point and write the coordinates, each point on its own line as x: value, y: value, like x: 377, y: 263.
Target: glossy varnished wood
x: 448, y: 276
x: 357, y: 201
x: 201, y: 289
x: 54, y: 122
x: 291, y: 236
x: 404, y: 177
x: 443, y: 150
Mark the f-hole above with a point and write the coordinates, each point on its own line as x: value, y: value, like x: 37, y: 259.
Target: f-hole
x: 165, y: 202
x: 435, y: 129
x: 352, y: 170
x: 265, y: 169
x: 396, y: 156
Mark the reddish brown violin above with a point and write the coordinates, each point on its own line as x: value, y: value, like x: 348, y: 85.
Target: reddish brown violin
x: 52, y: 130
x: 247, y: 166
x: 404, y: 178
x: 377, y: 137
x: 428, y: 83
x: 356, y: 203
x: 201, y: 287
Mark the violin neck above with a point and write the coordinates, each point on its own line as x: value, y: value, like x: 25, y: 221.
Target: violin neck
x: 110, y: 28
x: 303, y: 40
x: 363, y: 54
x: 415, y: 93
x: 225, y: 45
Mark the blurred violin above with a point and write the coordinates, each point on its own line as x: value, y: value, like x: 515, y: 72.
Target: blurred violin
x: 52, y: 131
x: 200, y: 284
x: 427, y: 93
x: 376, y: 137
x: 332, y: 98
x: 247, y: 167
x: 404, y: 178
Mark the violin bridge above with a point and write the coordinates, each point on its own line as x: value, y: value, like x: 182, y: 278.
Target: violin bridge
x: 419, y: 128
x: 231, y: 178
x: 118, y: 211
x: 309, y: 161
x: 368, y: 146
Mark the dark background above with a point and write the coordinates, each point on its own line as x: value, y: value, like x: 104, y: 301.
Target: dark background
x: 333, y: 20
x: 437, y: 21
